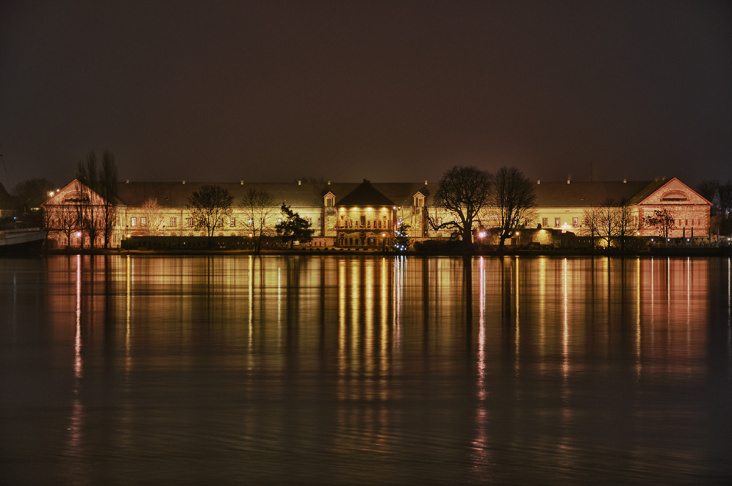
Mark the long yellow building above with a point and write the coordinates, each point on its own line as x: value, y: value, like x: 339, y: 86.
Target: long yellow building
x: 357, y: 215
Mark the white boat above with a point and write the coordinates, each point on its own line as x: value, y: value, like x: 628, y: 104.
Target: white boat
x: 19, y: 241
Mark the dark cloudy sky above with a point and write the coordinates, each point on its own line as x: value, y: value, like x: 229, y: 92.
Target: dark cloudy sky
x: 384, y: 90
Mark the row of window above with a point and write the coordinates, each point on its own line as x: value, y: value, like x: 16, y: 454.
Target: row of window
x: 189, y: 221
x: 143, y: 222
x: 634, y: 220
x: 558, y: 222
x: 362, y: 222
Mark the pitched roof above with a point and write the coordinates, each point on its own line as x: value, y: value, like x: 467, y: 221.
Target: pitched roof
x: 365, y: 194
x: 578, y: 194
x: 309, y: 194
x: 176, y: 194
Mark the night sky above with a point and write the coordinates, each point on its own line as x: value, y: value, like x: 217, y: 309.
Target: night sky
x: 383, y: 90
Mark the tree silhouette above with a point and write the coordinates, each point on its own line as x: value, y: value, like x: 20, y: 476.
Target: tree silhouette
x: 208, y: 207
x: 257, y: 207
x: 293, y: 227
x: 512, y: 195
x: 463, y: 192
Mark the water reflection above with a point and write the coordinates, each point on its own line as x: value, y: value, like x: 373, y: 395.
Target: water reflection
x: 437, y: 369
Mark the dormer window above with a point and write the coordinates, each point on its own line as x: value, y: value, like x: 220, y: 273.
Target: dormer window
x: 329, y: 200
x: 418, y: 200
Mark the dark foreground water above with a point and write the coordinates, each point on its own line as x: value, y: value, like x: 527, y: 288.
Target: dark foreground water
x: 272, y: 370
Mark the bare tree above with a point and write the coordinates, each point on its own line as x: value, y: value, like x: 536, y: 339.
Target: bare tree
x: 107, y: 189
x: 153, y: 214
x: 63, y: 219
x: 591, y: 220
x: 98, y: 204
x: 87, y: 209
x: 607, y: 223
x: 257, y: 206
x: 626, y: 224
x: 610, y: 221
x: 513, y: 197
x: 662, y: 220
x: 208, y: 207
x: 463, y: 192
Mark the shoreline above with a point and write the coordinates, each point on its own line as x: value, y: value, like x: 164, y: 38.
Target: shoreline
x: 655, y: 252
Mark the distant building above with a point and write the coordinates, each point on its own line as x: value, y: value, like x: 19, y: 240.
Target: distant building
x: 360, y: 215
x: 564, y: 205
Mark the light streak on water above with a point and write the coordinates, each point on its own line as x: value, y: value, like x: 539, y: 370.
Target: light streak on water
x: 250, y: 303
x: 565, y: 321
x: 638, y: 328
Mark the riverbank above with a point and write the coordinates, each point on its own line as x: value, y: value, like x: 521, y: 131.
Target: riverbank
x: 559, y: 252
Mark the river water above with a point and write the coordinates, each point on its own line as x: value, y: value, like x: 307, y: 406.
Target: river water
x: 358, y: 369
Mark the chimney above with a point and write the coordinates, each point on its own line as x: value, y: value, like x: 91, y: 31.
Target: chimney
x: 425, y: 182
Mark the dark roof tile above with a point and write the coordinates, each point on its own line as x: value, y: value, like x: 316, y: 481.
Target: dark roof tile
x: 365, y: 194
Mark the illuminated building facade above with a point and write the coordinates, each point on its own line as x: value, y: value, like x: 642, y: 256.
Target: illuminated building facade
x: 363, y: 215
x: 564, y: 205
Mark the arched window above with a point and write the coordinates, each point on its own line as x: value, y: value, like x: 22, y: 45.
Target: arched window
x: 674, y: 196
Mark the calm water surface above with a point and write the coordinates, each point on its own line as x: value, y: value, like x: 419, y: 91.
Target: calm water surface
x: 271, y: 370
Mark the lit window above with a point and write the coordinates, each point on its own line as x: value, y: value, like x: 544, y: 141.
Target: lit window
x: 190, y: 221
x: 557, y: 222
x: 173, y: 222
x: 133, y: 222
x: 575, y: 222
x: 143, y: 221
x: 232, y: 222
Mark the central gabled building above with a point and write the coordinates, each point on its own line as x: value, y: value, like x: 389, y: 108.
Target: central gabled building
x: 365, y: 217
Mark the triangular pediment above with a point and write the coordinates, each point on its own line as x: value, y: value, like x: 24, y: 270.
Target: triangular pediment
x: 72, y: 193
x: 674, y: 192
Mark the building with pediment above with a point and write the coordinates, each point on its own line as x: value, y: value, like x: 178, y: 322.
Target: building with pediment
x: 562, y: 205
x: 362, y: 215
